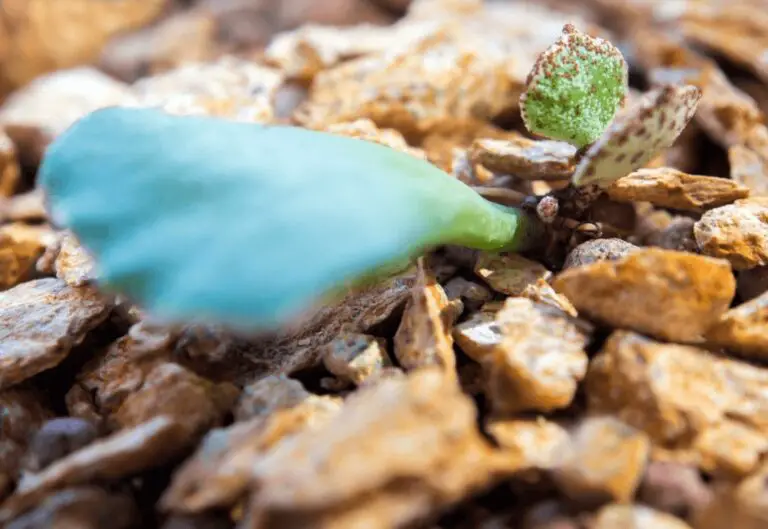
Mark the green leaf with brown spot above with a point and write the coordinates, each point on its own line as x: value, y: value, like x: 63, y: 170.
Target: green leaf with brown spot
x: 638, y: 134
x: 575, y: 88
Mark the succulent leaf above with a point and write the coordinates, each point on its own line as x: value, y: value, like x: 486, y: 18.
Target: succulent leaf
x: 575, y: 88
x: 198, y: 218
x: 638, y: 134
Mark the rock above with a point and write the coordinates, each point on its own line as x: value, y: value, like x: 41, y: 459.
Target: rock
x: 531, y: 443
x: 598, y: 250
x: 57, y: 438
x: 270, y: 394
x: 539, y: 362
x: 69, y: 261
x: 669, y: 188
x: 752, y: 283
x: 219, y: 472
x: 584, y: 473
x: 525, y: 158
x: 355, y: 357
x: 169, y: 390
x: 81, y: 507
x: 744, y: 329
x: 472, y: 294
x: 122, y: 454
x: 748, y: 168
x: 18, y: 255
x: 696, y: 406
x: 197, y: 521
x: 349, y: 471
x: 674, y: 488
x: 40, y: 322
x: 636, y: 517
x: 365, y: 129
x: 743, y: 504
x: 510, y: 274
x: 737, y: 232
x: 60, y: 35
x: 549, y: 515
x: 672, y: 295
x: 424, y: 335
x: 27, y: 207
x: 9, y: 166
x: 478, y: 335
x: 678, y: 236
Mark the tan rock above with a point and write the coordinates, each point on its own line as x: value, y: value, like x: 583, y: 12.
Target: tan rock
x: 587, y: 474
x: 531, y: 443
x: 17, y: 256
x: 219, y: 472
x: 40, y: 322
x: 424, y: 336
x: 50, y: 36
x: 68, y: 260
x: 525, y: 158
x: 677, y: 489
x: 598, y: 250
x: 355, y: 357
x: 472, y: 294
x: 268, y: 395
x: 421, y: 429
x: 28, y: 207
x: 738, y: 232
x: 172, y: 391
x: 365, y: 129
x: 684, y: 398
x: 539, y: 362
x: 671, y: 295
x: 669, y: 188
x: 634, y: 517
x: 509, y: 273
x: 478, y: 335
x: 744, y: 329
x: 9, y: 166
x: 743, y: 504
x: 119, y: 455
x: 749, y: 168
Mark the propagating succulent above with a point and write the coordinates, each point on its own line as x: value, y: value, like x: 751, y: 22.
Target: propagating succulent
x: 577, y: 93
x: 198, y: 218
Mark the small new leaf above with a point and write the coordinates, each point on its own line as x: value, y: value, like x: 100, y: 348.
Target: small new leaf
x: 638, y: 134
x: 203, y: 219
x: 575, y: 88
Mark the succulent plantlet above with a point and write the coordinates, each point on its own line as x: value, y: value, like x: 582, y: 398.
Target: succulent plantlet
x: 575, y: 88
x: 638, y: 134
x: 204, y: 219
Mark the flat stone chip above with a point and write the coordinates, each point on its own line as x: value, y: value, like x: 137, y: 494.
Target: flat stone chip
x: 638, y: 134
x: 526, y: 159
x: 575, y: 88
x: 40, y: 322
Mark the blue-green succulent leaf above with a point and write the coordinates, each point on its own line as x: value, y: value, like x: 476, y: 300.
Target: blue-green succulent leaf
x: 199, y: 218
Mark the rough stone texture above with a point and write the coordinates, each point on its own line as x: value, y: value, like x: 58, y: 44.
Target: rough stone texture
x: 677, y: 236
x: 230, y: 88
x: 355, y: 357
x: 172, y: 391
x: 349, y: 472
x: 509, y: 273
x: 539, y: 361
x: 748, y: 168
x: 588, y: 475
x: 525, y: 158
x: 672, y: 295
x: 269, y: 394
x: 122, y: 454
x: 51, y: 36
x: 737, y: 232
x: 478, y: 335
x: 691, y: 401
x: 669, y: 188
x: 424, y: 335
x: 40, y: 322
x: 365, y: 129
x: 56, y: 439
x: 9, y: 166
x: 23, y: 411
x: 69, y: 261
x: 744, y: 329
x: 187, y: 36
x: 675, y: 488
x: 81, y: 507
x: 18, y: 254
x: 219, y: 472
x: 598, y: 250
x: 743, y: 504
x: 536, y: 443
x: 636, y: 517
x: 473, y: 295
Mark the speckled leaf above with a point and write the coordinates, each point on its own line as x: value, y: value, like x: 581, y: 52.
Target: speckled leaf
x: 575, y: 88
x: 638, y: 134
x: 197, y: 218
